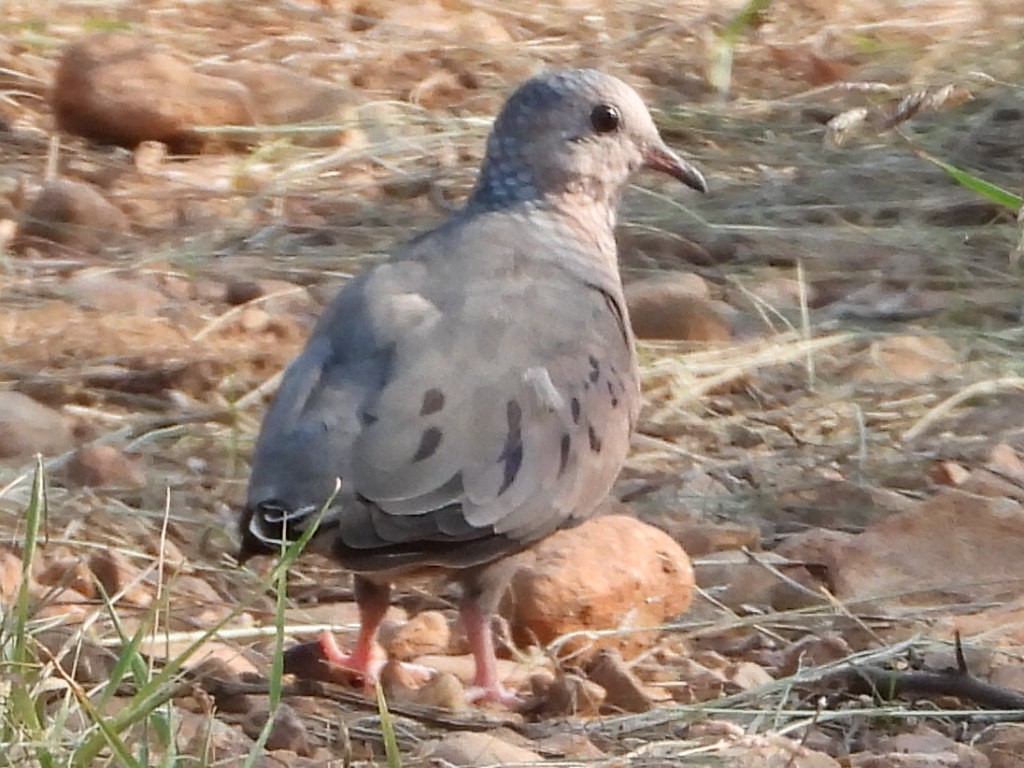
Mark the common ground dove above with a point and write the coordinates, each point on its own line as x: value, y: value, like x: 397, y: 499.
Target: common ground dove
x: 477, y: 391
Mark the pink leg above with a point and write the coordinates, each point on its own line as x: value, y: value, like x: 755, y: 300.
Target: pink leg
x: 481, y: 642
x: 365, y: 659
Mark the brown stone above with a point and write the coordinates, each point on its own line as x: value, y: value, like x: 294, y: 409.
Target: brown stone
x: 701, y: 537
x: 74, y: 213
x: 906, y: 557
x: 673, y: 310
x: 515, y: 675
x: 79, y: 657
x: 1002, y: 744
x: 28, y: 428
x: 739, y: 579
x: 569, y: 745
x: 279, y: 96
x: 668, y: 250
x: 107, y: 292
x: 782, y: 292
x: 115, y: 572
x: 623, y: 689
x: 103, y: 466
x: 288, y: 731
x: 210, y: 740
x: 612, y: 572
x: 118, y: 88
x: 475, y: 749
x: 570, y: 694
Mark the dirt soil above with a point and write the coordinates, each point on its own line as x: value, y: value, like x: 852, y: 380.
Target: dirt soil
x: 841, y: 467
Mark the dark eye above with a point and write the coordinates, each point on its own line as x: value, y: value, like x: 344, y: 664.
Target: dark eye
x: 605, y: 118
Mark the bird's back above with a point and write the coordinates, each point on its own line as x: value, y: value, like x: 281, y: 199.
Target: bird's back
x: 473, y: 394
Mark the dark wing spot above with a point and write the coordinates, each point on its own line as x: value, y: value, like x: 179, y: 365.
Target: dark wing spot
x: 367, y: 418
x: 611, y: 393
x: 575, y: 406
x: 429, y: 442
x: 595, y: 441
x: 564, y: 461
x: 433, y: 401
x: 595, y: 370
x: 514, y: 414
x: 513, y: 456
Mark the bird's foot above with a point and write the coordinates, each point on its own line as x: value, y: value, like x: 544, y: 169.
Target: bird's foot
x: 365, y: 662
x: 371, y: 664
x: 494, y: 693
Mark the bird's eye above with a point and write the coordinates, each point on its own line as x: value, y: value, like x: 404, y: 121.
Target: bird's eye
x: 605, y: 118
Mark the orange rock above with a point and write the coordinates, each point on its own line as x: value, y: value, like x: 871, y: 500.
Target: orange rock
x: 103, y: 466
x: 115, y: 572
x: 75, y: 213
x: 948, y: 473
x: 1004, y: 459
x: 675, y: 309
x: 426, y: 632
x: 71, y: 606
x: 118, y: 88
x: 907, y: 358
x: 10, y: 576
x: 68, y: 572
x: 612, y: 572
x: 28, y: 427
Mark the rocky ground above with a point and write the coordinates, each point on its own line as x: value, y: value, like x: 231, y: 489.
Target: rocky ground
x: 829, y: 467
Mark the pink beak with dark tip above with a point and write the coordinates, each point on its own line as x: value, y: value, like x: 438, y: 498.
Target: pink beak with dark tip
x: 658, y: 157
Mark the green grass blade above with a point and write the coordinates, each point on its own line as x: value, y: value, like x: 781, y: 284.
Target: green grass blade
x: 34, y: 516
x: 289, y: 554
x: 749, y: 16
x: 21, y: 705
x: 387, y: 729
x: 996, y: 194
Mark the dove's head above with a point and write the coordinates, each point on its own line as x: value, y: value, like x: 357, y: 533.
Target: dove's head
x: 579, y: 132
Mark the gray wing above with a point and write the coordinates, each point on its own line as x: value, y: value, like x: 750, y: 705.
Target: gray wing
x: 468, y: 408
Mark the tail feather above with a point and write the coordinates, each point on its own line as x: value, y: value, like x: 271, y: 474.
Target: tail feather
x: 268, y: 526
